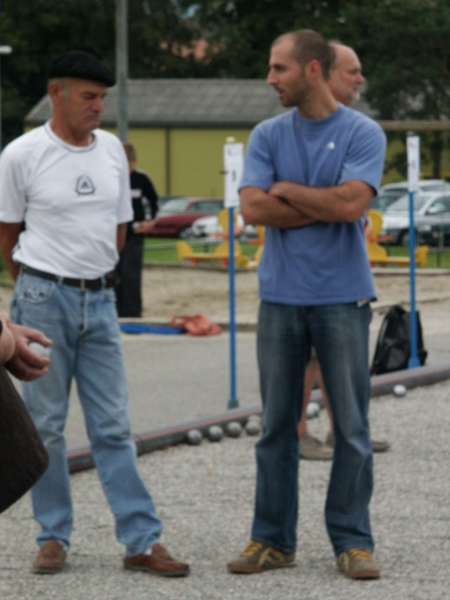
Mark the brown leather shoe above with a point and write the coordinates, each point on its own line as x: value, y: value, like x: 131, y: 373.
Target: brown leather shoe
x: 159, y: 562
x: 50, y: 559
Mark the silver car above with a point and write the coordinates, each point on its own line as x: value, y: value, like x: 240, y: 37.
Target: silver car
x: 391, y: 192
x: 431, y: 212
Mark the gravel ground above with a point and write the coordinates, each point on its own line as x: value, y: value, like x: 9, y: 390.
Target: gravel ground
x: 204, y: 495
x: 188, y: 291
x: 173, y: 291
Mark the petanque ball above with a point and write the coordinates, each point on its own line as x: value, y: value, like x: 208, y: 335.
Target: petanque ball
x: 215, y: 433
x: 253, y: 427
x: 233, y: 429
x: 312, y: 410
x: 399, y: 390
x: 194, y: 437
x: 39, y: 349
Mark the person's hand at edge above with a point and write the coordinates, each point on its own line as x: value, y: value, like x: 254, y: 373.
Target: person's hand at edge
x: 26, y: 364
x: 7, y: 341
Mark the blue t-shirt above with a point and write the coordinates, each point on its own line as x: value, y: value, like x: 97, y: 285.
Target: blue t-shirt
x: 324, y: 263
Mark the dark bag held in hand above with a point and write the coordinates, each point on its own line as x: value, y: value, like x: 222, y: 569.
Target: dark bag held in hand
x: 23, y: 457
x: 393, y: 348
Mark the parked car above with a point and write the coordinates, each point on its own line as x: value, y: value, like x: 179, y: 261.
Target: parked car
x: 431, y: 213
x: 210, y: 227
x: 437, y: 235
x: 178, y: 214
x: 391, y: 192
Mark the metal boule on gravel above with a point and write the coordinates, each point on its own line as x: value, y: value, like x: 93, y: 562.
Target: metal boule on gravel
x: 233, y: 429
x: 253, y: 426
x: 312, y: 410
x: 399, y: 390
x: 194, y: 437
x: 215, y: 433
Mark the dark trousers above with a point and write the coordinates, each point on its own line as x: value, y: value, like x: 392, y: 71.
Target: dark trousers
x: 129, y: 278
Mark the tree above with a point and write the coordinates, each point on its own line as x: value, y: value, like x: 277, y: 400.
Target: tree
x: 37, y: 31
x: 240, y: 32
x: 41, y: 29
x: 404, y: 47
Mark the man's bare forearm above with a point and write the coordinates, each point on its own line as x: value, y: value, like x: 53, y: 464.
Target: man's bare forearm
x: 261, y: 208
x: 344, y: 203
x: 9, y: 234
x: 12, y: 267
x: 121, y: 236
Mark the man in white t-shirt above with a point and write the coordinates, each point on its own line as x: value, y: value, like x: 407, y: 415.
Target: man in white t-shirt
x: 64, y: 207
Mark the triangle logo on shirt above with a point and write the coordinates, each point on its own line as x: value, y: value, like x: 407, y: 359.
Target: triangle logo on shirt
x: 84, y: 186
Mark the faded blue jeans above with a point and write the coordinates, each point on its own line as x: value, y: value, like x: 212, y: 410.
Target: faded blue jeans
x: 340, y: 335
x: 87, y: 348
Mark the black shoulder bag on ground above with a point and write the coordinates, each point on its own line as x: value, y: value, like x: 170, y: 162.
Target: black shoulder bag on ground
x: 23, y: 457
x: 392, y: 349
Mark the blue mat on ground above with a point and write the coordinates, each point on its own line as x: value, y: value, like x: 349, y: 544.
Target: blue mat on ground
x: 139, y: 328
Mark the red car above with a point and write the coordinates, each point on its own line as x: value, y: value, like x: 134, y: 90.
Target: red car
x: 177, y: 215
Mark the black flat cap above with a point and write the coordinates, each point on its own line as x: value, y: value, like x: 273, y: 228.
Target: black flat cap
x: 81, y: 65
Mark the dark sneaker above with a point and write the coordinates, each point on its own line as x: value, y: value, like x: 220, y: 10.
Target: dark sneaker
x: 357, y: 563
x: 313, y: 449
x: 50, y: 559
x: 377, y: 445
x: 258, y: 557
x: 159, y: 562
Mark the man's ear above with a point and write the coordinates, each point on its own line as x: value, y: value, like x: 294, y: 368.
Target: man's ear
x: 54, y: 89
x: 313, y: 69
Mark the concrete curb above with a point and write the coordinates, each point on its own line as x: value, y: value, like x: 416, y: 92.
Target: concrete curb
x: 81, y: 459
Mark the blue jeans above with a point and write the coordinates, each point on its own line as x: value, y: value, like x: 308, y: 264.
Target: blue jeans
x: 340, y: 335
x: 87, y: 348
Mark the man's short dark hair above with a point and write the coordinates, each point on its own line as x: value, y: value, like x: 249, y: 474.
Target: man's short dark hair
x: 310, y: 45
x: 80, y: 64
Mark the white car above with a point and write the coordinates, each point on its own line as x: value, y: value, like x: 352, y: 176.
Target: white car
x: 431, y: 210
x: 210, y: 227
x: 393, y: 191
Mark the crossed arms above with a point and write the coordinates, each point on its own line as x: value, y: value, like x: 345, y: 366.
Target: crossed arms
x: 291, y: 205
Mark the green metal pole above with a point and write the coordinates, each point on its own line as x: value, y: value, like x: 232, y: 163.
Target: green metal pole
x: 122, y: 68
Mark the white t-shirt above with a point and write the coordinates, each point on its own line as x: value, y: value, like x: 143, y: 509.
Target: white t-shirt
x: 71, y: 199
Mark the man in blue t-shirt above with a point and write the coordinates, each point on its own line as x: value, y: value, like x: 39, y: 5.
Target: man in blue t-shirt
x: 309, y: 176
